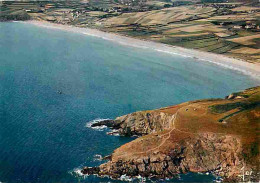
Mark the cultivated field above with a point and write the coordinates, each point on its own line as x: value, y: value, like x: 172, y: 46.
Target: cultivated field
x: 224, y: 28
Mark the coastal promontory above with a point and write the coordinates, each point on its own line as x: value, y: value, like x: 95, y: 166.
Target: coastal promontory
x: 218, y: 136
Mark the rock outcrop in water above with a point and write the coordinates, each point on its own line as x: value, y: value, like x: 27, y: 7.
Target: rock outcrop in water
x: 138, y: 123
x: 220, y: 136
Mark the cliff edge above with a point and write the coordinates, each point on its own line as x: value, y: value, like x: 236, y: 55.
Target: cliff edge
x: 219, y: 136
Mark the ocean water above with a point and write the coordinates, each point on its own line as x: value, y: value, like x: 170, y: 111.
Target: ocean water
x: 53, y: 82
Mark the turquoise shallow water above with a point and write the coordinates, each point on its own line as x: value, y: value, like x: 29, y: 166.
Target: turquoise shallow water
x: 43, y: 134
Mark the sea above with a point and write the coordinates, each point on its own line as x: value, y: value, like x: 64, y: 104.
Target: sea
x: 54, y: 83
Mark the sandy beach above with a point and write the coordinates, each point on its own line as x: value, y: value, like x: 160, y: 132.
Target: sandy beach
x: 244, y: 67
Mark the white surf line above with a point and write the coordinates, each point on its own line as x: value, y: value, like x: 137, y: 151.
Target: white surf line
x: 246, y: 68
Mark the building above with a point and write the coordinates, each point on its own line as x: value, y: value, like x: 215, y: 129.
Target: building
x: 48, y: 6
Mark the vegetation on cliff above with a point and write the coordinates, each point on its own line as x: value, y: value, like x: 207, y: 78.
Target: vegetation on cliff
x: 220, y: 136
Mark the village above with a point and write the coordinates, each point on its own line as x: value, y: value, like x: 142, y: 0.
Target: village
x: 230, y: 28
x: 129, y: 91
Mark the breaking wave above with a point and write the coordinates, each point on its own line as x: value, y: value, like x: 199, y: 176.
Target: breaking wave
x: 99, y: 128
x: 76, y: 172
x: 97, y: 157
x: 146, y: 44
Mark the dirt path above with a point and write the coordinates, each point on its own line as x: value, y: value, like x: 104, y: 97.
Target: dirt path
x: 163, y: 142
x: 167, y: 138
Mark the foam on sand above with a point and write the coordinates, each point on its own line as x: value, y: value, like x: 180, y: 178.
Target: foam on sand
x: 243, y: 67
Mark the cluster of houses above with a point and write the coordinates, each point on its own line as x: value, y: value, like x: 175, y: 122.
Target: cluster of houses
x: 131, y: 2
x: 222, y: 5
x: 248, y: 26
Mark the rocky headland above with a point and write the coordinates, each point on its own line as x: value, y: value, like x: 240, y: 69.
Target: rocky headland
x: 218, y: 136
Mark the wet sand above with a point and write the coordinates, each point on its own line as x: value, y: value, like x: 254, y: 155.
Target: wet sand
x: 251, y: 69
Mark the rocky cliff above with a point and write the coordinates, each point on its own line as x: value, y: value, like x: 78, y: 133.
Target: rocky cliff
x: 219, y: 136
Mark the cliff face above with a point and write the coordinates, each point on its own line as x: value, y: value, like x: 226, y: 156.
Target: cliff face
x: 218, y: 136
x: 142, y: 123
x: 200, y: 153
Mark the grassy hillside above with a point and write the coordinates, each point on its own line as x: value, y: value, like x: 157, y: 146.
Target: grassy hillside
x: 219, y: 136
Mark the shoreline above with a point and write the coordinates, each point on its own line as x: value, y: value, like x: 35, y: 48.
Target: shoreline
x: 246, y: 68
x: 172, y: 141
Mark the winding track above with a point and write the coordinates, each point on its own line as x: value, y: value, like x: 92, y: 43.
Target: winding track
x: 164, y: 141
x: 169, y: 135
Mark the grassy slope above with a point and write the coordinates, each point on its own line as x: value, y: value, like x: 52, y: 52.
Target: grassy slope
x: 242, y: 118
